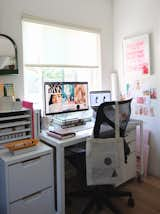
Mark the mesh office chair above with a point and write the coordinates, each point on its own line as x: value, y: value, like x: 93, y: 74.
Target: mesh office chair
x: 109, y: 133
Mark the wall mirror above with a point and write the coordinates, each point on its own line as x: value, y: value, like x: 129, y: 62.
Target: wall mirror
x: 8, y: 55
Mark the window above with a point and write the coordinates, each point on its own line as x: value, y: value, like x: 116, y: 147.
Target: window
x: 58, y: 53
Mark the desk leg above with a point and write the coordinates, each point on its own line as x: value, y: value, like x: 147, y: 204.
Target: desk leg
x: 60, y: 180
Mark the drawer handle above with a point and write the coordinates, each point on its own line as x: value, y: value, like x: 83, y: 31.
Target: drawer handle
x: 30, y: 161
x: 32, y: 197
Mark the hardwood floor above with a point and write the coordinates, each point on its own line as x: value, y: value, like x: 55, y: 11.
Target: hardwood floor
x: 146, y: 195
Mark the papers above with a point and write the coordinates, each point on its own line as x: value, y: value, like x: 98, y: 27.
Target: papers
x: 29, y: 105
x: 61, y: 134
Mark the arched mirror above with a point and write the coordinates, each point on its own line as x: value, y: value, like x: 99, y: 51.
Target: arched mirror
x: 8, y: 55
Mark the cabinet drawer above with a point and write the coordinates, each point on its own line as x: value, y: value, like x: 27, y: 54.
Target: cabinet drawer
x: 40, y: 203
x: 29, y: 176
x: 131, y: 136
x: 130, y: 167
x: 132, y: 146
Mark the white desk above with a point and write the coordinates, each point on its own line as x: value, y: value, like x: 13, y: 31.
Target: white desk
x: 59, y: 146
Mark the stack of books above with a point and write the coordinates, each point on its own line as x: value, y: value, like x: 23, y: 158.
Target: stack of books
x: 66, y: 123
x: 61, y: 134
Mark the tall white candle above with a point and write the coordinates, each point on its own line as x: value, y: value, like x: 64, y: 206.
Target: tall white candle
x: 115, y: 86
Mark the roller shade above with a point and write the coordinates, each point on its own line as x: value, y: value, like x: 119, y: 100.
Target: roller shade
x: 55, y: 45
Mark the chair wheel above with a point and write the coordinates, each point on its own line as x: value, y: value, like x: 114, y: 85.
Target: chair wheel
x: 131, y: 202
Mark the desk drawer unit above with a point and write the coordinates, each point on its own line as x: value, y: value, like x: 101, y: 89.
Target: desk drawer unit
x: 29, y: 176
x: 39, y: 203
x: 26, y: 182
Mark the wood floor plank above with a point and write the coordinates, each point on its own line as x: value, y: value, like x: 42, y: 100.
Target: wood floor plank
x: 146, y: 195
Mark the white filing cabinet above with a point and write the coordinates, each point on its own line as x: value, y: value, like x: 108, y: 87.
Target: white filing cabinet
x: 26, y: 182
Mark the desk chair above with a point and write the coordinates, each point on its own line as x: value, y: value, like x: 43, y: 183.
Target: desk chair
x: 101, y: 164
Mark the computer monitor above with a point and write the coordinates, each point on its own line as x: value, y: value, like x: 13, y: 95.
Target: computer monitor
x: 63, y: 97
x: 98, y: 97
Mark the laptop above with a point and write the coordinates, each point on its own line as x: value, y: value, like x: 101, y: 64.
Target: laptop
x: 98, y: 97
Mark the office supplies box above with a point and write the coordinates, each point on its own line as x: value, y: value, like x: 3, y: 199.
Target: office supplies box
x: 21, y: 146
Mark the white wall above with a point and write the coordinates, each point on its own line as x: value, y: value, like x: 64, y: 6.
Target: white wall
x: 134, y: 18
x: 130, y: 18
x: 95, y: 14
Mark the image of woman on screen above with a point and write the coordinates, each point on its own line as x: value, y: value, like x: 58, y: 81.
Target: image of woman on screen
x: 80, y: 94
x: 55, y: 102
x: 68, y: 93
x: 55, y: 98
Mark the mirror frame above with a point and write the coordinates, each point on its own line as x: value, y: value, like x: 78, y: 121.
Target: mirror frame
x: 9, y: 71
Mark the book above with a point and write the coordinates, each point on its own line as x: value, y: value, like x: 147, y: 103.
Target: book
x: 1, y: 89
x: 61, y: 134
x: 9, y: 90
x: 69, y: 123
x: 63, y: 121
x: 73, y: 125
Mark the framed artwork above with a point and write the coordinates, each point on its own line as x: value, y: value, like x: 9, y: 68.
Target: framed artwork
x: 136, y: 53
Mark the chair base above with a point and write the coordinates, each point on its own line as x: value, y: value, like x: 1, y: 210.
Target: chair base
x: 102, y: 198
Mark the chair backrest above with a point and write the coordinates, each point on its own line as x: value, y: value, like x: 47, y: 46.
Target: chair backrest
x: 111, y: 116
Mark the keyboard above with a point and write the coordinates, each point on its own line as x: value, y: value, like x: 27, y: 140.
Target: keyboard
x: 88, y: 125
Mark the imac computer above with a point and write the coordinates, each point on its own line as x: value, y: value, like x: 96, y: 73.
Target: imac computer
x: 98, y: 97
x: 64, y: 97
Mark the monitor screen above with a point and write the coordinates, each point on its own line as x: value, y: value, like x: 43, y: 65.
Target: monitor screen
x: 62, y: 97
x: 98, y: 97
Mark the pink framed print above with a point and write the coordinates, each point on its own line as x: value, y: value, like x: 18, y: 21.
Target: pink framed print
x: 137, y: 55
